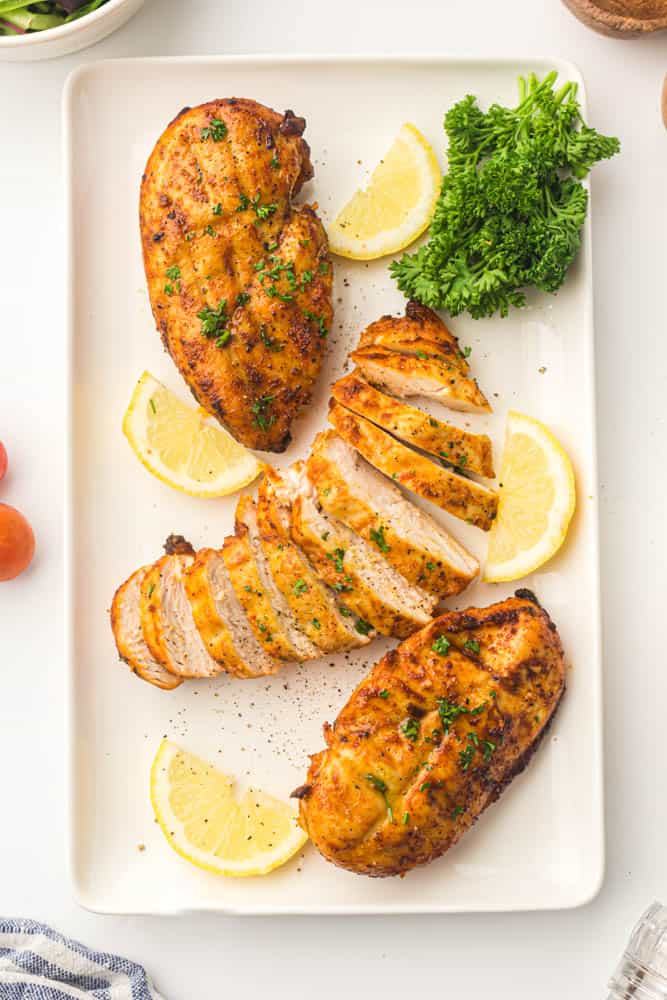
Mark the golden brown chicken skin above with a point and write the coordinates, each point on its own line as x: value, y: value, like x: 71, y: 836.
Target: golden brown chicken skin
x: 432, y: 737
x: 239, y: 279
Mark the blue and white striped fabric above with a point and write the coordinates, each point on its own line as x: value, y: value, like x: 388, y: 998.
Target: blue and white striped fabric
x: 37, y: 963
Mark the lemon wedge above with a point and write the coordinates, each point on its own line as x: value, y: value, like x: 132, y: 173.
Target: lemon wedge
x: 206, y: 824
x: 179, y: 445
x: 396, y: 206
x: 537, y: 501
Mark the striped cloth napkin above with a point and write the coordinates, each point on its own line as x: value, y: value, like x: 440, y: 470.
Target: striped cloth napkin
x: 37, y: 963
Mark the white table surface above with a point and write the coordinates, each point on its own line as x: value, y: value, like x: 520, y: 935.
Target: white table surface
x: 546, y: 955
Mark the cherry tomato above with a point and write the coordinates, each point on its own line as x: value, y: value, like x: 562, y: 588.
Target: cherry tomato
x: 17, y: 542
x: 3, y: 460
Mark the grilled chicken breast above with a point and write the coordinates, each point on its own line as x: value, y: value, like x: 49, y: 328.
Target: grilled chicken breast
x: 317, y: 612
x: 257, y: 592
x: 351, y: 490
x: 239, y: 278
x: 129, y: 636
x: 457, y: 447
x: 456, y: 494
x: 167, y: 621
x: 430, y: 376
x: 432, y: 736
x: 220, y: 620
x: 370, y: 587
x: 419, y: 329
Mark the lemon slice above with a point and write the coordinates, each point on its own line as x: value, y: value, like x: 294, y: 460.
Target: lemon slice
x: 206, y: 824
x: 178, y: 444
x: 397, y: 205
x: 537, y: 501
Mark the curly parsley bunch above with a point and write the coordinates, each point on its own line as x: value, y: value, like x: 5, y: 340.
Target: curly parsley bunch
x: 512, y: 205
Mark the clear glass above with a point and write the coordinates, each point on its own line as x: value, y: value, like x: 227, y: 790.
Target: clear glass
x: 642, y: 972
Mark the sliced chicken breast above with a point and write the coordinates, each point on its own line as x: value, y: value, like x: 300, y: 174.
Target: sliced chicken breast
x: 456, y: 494
x: 420, y: 549
x: 268, y: 611
x: 130, y: 642
x: 458, y: 448
x: 372, y: 589
x: 420, y: 329
x: 314, y: 606
x: 431, y: 377
x: 220, y: 620
x: 167, y: 621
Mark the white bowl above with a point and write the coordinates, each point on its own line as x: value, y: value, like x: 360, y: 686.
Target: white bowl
x: 68, y: 37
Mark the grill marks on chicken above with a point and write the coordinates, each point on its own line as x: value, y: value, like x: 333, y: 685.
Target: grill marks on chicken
x: 432, y: 736
x: 239, y: 278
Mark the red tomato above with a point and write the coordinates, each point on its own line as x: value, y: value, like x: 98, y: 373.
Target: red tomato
x: 3, y: 460
x: 17, y: 542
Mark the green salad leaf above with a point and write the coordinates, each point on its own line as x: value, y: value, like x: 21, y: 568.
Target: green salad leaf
x: 512, y: 205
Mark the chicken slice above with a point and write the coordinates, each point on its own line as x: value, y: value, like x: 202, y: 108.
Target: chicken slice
x: 458, y: 448
x: 351, y: 490
x: 167, y: 621
x: 130, y: 642
x: 220, y: 619
x: 265, y: 607
x: 372, y: 589
x: 420, y: 329
x: 406, y: 375
x: 456, y: 494
x: 433, y: 736
x: 314, y: 606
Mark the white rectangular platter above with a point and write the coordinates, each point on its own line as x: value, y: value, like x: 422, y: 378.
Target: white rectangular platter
x: 541, y: 846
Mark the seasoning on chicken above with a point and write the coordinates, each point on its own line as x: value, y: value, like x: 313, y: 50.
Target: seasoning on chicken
x: 129, y: 636
x: 457, y: 447
x: 432, y: 736
x: 239, y: 278
x: 454, y: 493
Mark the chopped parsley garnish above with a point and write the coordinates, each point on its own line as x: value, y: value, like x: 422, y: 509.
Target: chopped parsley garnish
x: 324, y: 535
x: 259, y: 408
x: 426, y: 786
x: 244, y: 201
x: 269, y: 342
x: 337, y: 557
x: 363, y: 627
x: 151, y: 589
x: 169, y: 289
x: 422, y: 355
x: 173, y: 272
x: 214, y: 323
x: 322, y: 326
x: 430, y: 566
x: 472, y: 646
x: 467, y: 351
x: 379, y: 785
x: 217, y: 209
x: 432, y: 422
x: 300, y: 587
x: 488, y: 747
x: 216, y: 130
x: 449, y: 711
x: 263, y: 211
x: 210, y: 231
x: 324, y: 267
x: 152, y: 405
x: 441, y: 645
x: 384, y: 693
x: 410, y: 729
x: 406, y: 819
x: 242, y: 299
x: 457, y: 811
x: 316, y: 623
x: 377, y: 536
x: 306, y: 278
x: 275, y: 163
x: 466, y: 756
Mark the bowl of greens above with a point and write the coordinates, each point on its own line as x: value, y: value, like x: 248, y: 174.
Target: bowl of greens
x: 50, y: 28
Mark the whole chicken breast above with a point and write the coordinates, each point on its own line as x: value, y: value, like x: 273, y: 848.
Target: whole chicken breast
x: 239, y: 278
x: 432, y: 736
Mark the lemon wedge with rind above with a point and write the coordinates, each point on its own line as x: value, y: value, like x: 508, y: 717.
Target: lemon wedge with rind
x: 180, y: 446
x: 396, y: 206
x: 537, y: 501
x: 203, y: 821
